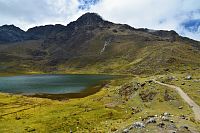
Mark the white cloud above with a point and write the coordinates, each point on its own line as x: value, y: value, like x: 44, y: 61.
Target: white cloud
x: 153, y: 14
x: 29, y: 13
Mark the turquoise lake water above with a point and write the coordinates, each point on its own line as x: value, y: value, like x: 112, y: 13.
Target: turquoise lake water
x: 50, y: 84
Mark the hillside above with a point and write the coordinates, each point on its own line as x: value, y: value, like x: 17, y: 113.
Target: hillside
x: 161, y: 68
x: 93, y: 45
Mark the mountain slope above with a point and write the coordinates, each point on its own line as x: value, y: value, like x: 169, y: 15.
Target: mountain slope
x: 94, y: 45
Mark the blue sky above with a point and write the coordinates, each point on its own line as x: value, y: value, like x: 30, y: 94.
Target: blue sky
x: 192, y: 25
x: 86, y: 4
x: 182, y: 16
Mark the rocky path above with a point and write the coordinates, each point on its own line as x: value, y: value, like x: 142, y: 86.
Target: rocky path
x: 193, y: 105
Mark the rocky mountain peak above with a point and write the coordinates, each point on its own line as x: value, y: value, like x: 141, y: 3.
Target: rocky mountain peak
x: 10, y: 28
x: 11, y: 33
x: 90, y: 19
x: 87, y: 19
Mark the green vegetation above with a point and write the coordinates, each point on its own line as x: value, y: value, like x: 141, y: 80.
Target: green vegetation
x: 128, y: 52
x: 191, y: 87
x: 117, y: 105
x: 91, y: 45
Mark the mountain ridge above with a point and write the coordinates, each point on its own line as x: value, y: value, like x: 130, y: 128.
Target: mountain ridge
x: 88, y: 19
x: 93, y: 45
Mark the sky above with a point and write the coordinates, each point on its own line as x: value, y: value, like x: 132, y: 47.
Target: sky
x: 183, y: 16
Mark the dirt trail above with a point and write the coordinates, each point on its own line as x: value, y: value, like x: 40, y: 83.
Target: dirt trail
x: 193, y: 105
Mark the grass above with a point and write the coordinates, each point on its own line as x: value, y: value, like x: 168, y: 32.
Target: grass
x: 105, y: 111
x: 191, y: 87
x: 130, y: 52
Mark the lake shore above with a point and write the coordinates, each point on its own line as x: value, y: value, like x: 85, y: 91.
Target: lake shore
x: 110, y: 107
x: 55, y: 86
x: 86, y: 92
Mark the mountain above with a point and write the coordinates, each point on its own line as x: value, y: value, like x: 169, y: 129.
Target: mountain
x: 43, y: 32
x: 11, y: 33
x: 93, y: 45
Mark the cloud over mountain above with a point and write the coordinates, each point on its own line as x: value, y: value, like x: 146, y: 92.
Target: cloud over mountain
x: 154, y: 14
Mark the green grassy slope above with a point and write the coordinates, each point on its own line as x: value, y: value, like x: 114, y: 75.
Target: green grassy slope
x: 128, y: 51
x: 93, y: 45
x: 109, y: 110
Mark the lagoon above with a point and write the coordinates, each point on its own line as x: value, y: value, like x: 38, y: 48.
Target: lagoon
x: 51, y: 84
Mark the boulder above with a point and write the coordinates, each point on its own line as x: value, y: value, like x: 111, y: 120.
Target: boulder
x: 181, y: 107
x: 189, y: 77
x: 166, y: 114
x: 151, y: 120
x: 183, y: 84
x: 125, y: 131
x: 165, y: 118
x: 138, y: 125
x: 172, y: 131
